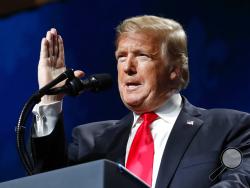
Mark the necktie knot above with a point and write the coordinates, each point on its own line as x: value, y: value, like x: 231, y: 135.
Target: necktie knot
x: 149, y: 117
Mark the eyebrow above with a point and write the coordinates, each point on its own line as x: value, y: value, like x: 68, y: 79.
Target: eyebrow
x: 150, y: 52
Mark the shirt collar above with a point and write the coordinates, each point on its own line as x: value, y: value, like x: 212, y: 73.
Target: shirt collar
x: 168, y: 111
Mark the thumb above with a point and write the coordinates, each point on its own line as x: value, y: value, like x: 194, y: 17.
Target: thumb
x: 79, y: 73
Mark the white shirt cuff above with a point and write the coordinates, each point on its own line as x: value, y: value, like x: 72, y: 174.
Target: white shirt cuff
x: 46, y: 116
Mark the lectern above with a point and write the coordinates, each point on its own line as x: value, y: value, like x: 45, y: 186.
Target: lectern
x: 96, y: 174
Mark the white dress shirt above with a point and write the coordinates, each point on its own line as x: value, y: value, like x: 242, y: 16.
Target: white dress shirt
x: 160, y: 130
x: 47, y: 114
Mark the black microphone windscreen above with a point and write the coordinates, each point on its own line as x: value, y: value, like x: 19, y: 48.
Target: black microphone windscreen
x: 100, y: 82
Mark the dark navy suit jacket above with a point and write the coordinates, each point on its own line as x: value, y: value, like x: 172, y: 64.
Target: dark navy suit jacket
x: 192, y: 152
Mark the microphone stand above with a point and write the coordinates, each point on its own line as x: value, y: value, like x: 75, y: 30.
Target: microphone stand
x: 32, y: 101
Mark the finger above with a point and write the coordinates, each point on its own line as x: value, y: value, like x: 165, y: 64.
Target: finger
x: 79, y: 73
x: 53, y: 31
x: 56, y: 47
x: 60, y: 48
x: 44, y: 53
x: 55, y: 42
x: 50, y: 43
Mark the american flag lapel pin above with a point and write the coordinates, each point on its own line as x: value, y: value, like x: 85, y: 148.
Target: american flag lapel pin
x: 190, y: 122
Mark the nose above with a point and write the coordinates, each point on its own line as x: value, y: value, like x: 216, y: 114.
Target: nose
x: 130, y: 66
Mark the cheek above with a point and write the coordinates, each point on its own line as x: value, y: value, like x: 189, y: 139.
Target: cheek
x: 120, y: 77
x: 150, y: 76
x: 164, y: 81
x: 158, y: 79
x: 119, y: 72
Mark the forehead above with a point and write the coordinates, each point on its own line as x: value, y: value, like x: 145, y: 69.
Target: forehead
x: 138, y: 40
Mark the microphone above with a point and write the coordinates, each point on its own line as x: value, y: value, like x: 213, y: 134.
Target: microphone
x: 76, y: 86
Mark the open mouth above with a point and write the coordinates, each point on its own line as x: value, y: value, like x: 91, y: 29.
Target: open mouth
x: 132, y: 85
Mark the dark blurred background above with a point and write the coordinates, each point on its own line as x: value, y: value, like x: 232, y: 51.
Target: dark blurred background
x: 219, y: 52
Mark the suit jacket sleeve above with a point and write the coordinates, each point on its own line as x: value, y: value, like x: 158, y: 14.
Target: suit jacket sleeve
x: 239, y: 138
x: 91, y: 141
x: 49, y: 152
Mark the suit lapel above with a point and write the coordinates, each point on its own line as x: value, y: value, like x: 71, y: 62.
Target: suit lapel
x: 185, y: 128
x: 117, y: 150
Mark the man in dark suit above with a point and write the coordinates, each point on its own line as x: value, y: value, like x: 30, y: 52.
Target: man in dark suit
x: 165, y: 140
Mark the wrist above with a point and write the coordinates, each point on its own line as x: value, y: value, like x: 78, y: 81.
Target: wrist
x: 47, y: 99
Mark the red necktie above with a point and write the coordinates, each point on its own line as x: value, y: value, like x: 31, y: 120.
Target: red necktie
x: 141, y: 155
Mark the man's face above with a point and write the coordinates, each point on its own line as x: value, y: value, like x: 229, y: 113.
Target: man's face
x: 143, y: 72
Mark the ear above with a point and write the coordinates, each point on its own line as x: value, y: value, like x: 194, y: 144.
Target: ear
x: 175, y: 73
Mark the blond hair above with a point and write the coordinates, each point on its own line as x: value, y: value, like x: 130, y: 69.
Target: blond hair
x: 173, y: 39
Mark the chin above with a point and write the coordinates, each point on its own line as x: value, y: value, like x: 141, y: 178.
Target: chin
x: 136, y: 107
x: 132, y: 104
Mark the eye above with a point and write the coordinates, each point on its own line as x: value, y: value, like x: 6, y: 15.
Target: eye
x: 144, y: 54
x: 142, y: 57
x: 121, y: 59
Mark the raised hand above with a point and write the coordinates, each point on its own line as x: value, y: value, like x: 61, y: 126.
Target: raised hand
x: 52, y: 63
